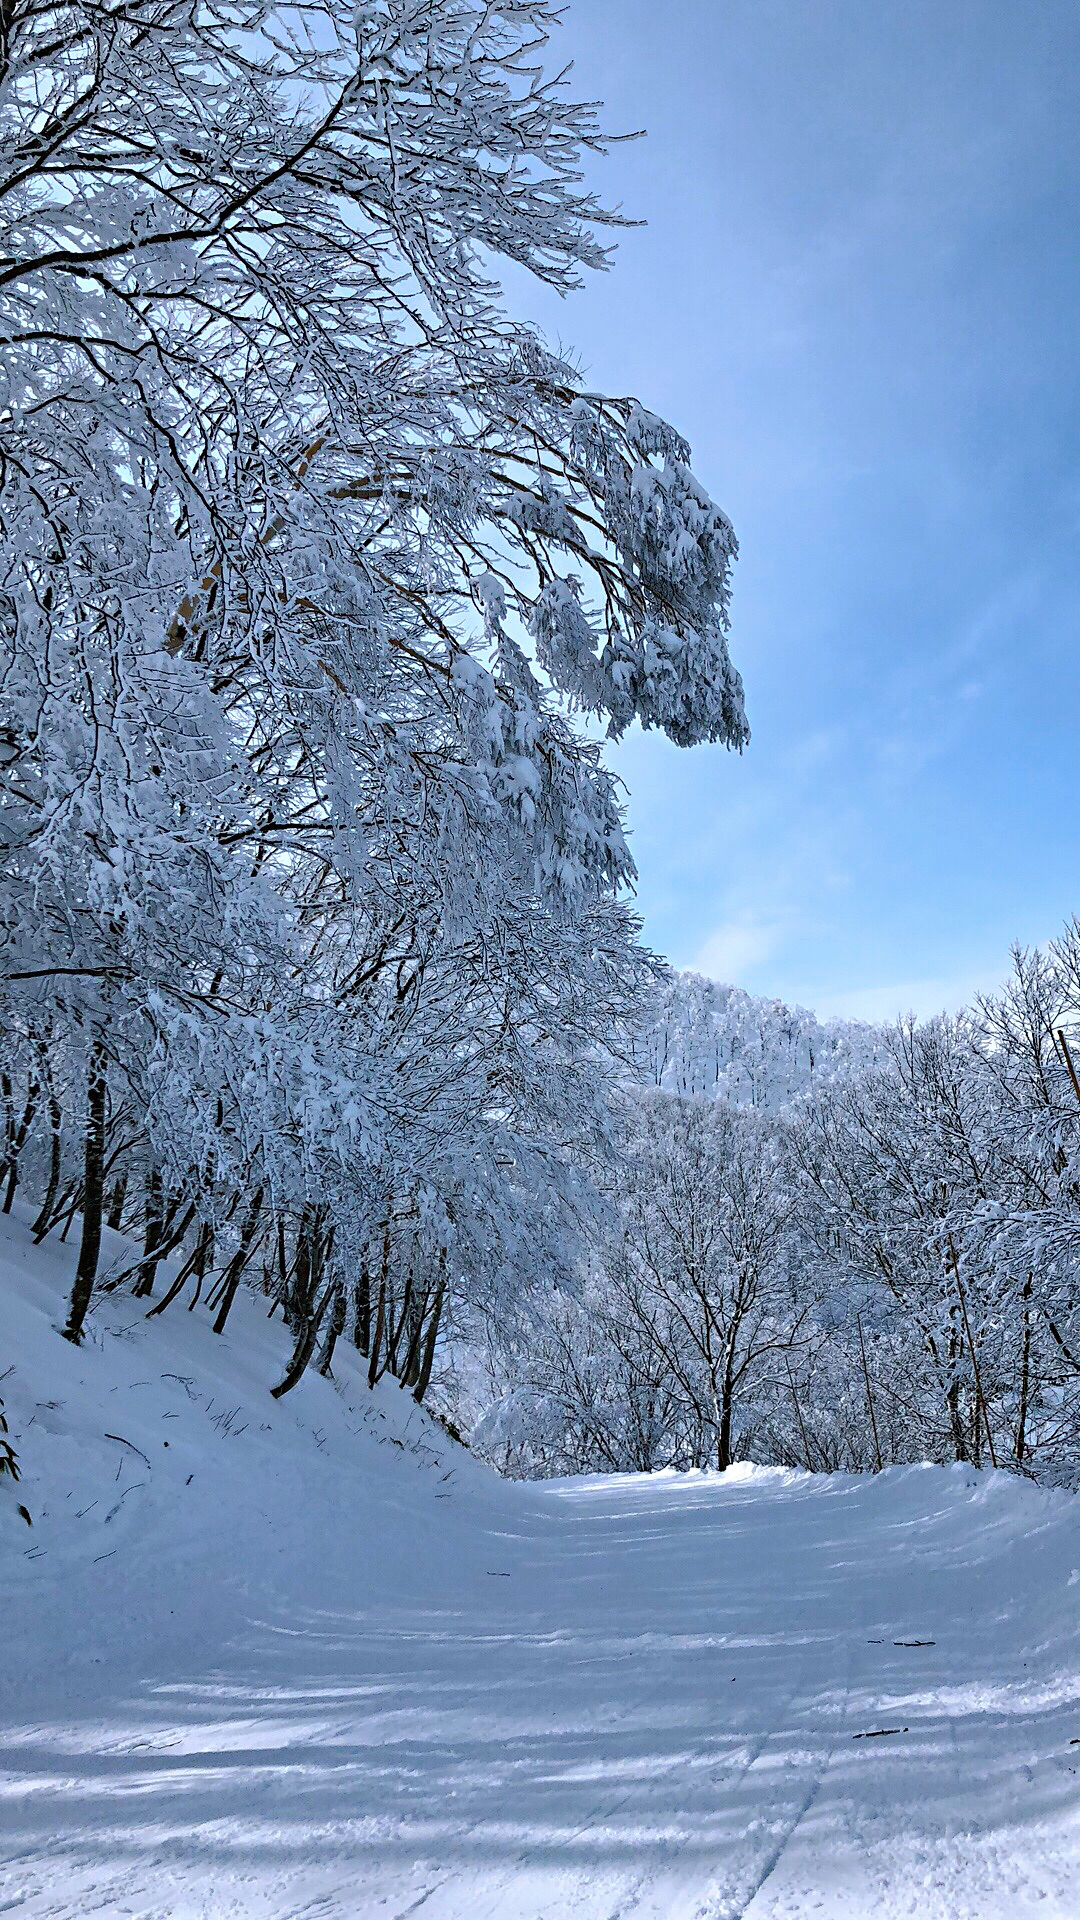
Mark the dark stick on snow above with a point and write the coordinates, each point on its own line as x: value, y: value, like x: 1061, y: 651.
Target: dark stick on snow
x: 127, y: 1443
x: 878, y: 1733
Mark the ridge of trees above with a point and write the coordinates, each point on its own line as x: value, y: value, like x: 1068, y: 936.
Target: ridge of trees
x: 832, y: 1246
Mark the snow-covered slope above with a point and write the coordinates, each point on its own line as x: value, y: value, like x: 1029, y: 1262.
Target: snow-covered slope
x: 307, y: 1658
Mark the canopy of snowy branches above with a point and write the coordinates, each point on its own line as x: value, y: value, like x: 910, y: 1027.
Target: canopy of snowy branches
x: 312, y: 924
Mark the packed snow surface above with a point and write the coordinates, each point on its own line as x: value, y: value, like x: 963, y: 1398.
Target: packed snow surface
x: 308, y: 1659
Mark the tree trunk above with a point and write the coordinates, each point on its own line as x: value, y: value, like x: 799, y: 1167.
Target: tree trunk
x: 952, y: 1396
x: 427, y: 1358
x: 8, y: 1093
x: 380, y: 1313
x: 362, y: 1310
x: 153, y: 1230
x: 166, y: 1246
x: 300, y: 1290
x: 869, y: 1395
x: 396, y: 1326
x: 410, y: 1369
x: 204, y: 1253
x: 40, y: 1226
x: 93, y: 1196
x: 75, y: 1207
x: 374, y: 1369
x: 116, y: 1204
x: 727, y: 1407
x: 17, y: 1138
x: 334, y: 1330
x: 1025, y: 1377
x: 304, y: 1347
x: 980, y: 1397
x: 808, y: 1455
x: 231, y: 1278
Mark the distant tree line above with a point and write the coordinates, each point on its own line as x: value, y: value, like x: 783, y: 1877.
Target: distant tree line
x: 835, y: 1246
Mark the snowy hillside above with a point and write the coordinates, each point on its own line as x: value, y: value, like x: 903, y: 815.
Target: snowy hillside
x: 308, y: 1658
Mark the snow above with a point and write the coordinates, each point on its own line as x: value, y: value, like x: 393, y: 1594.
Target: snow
x: 308, y: 1658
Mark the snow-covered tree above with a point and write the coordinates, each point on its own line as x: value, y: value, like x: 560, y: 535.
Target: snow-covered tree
x: 312, y: 943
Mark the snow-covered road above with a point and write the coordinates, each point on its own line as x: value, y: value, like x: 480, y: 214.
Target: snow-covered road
x: 620, y: 1698
x: 354, y: 1680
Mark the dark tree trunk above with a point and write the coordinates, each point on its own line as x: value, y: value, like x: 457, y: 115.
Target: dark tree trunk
x: 116, y: 1204
x: 1020, y: 1449
x: 362, y: 1310
x: 75, y: 1207
x: 334, y: 1330
x: 981, y: 1408
x: 807, y: 1454
x: 309, y: 1306
x: 16, y: 1139
x: 427, y: 1357
x: 153, y: 1232
x: 204, y: 1253
x: 410, y: 1367
x: 167, y: 1246
x: 727, y: 1407
x: 282, y: 1263
x: 869, y: 1395
x: 956, y: 1423
x: 41, y: 1224
x: 8, y: 1093
x: 304, y: 1347
x: 374, y: 1369
x: 300, y: 1288
x: 93, y: 1196
x: 231, y: 1277
x: 395, y: 1326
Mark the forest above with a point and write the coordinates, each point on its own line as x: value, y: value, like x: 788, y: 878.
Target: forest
x: 323, y: 582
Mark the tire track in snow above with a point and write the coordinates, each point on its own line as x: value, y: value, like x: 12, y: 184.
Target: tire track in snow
x: 502, y: 1900
x: 602, y: 1812
x: 782, y: 1818
x: 764, y: 1868
x: 648, y: 1887
x: 606, y: 1809
x: 667, y: 1881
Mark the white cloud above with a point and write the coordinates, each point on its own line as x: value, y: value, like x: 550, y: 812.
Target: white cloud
x: 734, y: 948
x: 944, y: 994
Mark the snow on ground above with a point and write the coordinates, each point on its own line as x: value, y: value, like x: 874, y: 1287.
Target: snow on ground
x: 307, y: 1659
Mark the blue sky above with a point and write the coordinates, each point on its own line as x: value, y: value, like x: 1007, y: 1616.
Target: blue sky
x: 857, y: 294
